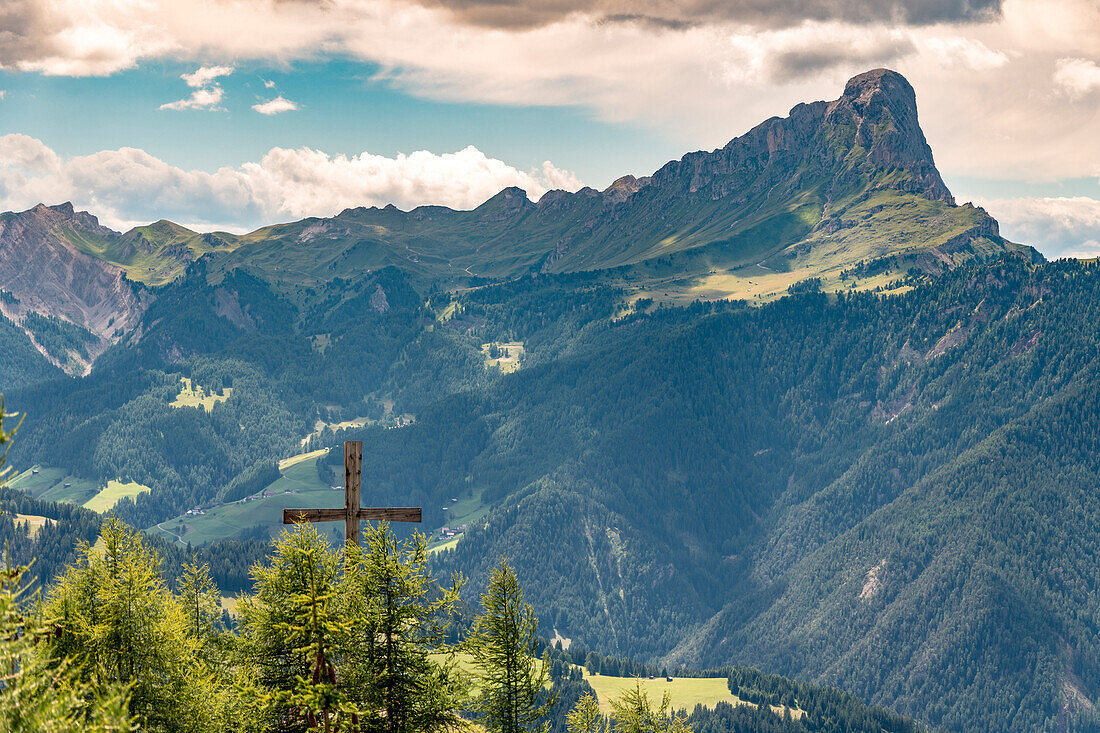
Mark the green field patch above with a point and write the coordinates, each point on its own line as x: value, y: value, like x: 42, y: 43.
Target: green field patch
x: 110, y: 495
x: 195, y: 395
x: 54, y: 484
x: 299, y: 487
x: 459, y: 512
x: 448, y: 312
x: 444, y: 545
x: 505, y: 355
x: 684, y: 692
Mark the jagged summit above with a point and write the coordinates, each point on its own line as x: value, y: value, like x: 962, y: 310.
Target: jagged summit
x: 867, y: 138
x: 59, y: 215
x: 883, y: 105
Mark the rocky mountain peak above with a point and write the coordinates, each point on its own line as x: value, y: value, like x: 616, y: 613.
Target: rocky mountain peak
x: 622, y: 188
x: 883, y: 107
x: 40, y: 266
x: 510, y: 202
x: 51, y: 217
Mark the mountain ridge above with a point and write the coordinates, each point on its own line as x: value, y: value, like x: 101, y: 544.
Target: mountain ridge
x: 779, y: 196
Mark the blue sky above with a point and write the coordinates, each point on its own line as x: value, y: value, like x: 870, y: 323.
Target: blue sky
x: 342, y: 109
x: 518, y: 92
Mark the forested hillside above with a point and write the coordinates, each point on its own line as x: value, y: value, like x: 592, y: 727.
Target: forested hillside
x: 888, y: 494
x: 881, y: 481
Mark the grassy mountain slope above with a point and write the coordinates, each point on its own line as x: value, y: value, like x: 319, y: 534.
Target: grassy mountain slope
x: 810, y: 195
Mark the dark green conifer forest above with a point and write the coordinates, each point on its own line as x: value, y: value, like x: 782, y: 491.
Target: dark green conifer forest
x: 892, y: 495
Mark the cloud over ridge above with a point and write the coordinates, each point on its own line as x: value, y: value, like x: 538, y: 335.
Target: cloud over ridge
x: 1061, y: 226
x: 129, y: 186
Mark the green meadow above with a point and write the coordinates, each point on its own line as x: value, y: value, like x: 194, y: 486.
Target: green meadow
x: 49, y: 484
x: 298, y: 488
x: 685, y: 692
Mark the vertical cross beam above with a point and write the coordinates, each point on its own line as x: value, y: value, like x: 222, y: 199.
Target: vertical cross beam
x: 353, y: 467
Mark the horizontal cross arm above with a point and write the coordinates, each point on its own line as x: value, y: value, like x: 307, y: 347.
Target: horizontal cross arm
x: 294, y: 516
x: 389, y: 514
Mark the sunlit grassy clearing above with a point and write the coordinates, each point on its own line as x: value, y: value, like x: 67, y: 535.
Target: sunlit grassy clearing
x: 110, y: 495
x: 508, y: 356
x: 295, y: 460
x: 445, y: 545
x: 466, y: 510
x: 34, y: 522
x: 194, y: 395
x: 686, y: 692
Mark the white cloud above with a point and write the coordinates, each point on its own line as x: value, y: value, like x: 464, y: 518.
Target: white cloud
x: 275, y: 106
x: 208, y: 93
x: 1063, y: 226
x: 1077, y: 77
x: 199, y: 99
x: 3, y: 93
x: 268, y: 83
x: 204, y: 75
x: 968, y: 53
x: 985, y: 88
x: 27, y: 153
x: 128, y: 186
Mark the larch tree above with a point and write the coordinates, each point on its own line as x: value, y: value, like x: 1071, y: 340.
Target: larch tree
x: 394, y: 661
x: 290, y: 631
x: 117, y: 623
x: 511, y: 679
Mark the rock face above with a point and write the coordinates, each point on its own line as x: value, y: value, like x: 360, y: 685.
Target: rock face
x: 870, y: 131
x: 869, y: 139
x: 883, y: 107
x: 49, y: 275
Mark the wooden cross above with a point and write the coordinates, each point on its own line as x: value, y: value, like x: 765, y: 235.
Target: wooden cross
x: 352, y: 513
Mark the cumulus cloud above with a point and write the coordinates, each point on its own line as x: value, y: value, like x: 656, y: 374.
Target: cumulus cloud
x: 275, y: 106
x: 128, y: 186
x: 204, y: 75
x: 199, y: 99
x: 1064, y: 226
x: 698, y: 71
x: 1077, y: 77
x: 208, y: 93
